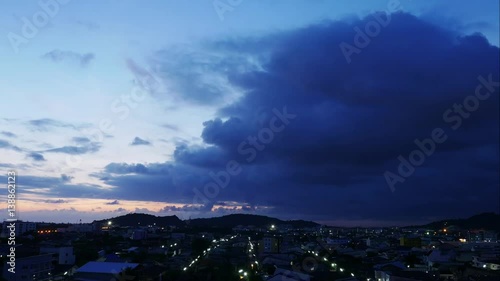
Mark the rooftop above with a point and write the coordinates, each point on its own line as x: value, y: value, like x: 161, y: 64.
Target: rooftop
x: 106, y: 267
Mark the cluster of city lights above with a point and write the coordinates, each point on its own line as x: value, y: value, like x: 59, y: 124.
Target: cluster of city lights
x: 326, y: 260
x: 46, y: 231
x: 205, y: 252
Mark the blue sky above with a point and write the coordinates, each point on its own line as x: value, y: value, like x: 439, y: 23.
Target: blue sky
x: 114, y: 107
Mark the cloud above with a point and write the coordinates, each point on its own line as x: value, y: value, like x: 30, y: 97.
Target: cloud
x: 150, y: 169
x: 88, y: 25
x: 59, y: 201
x: 47, y: 124
x: 115, y: 202
x: 58, y: 56
x: 60, y: 187
x: 8, y: 134
x: 91, y: 147
x: 171, y: 127
x: 36, y: 156
x: 185, y: 208
x: 7, y: 145
x: 81, y: 140
x: 139, y: 141
x: 142, y: 210
x: 144, y: 78
x: 194, y: 74
x: 66, y: 178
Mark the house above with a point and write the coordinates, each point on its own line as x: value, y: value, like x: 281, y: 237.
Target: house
x: 384, y: 271
x: 178, y: 236
x: 37, y: 267
x: 139, y: 234
x: 63, y: 255
x: 288, y: 275
x: 488, y: 264
x: 103, y: 271
x: 21, y: 228
x: 269, y: 245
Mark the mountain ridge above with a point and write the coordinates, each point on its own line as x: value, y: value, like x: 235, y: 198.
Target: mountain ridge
x: 486, y: 221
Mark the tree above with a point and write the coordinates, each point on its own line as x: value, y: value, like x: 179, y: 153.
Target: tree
x: 199, y: 245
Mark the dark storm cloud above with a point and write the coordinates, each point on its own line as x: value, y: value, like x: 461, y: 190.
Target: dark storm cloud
x: 36, y: 156
x: 74, y: 57
x: 354, y: 119
x: 211, y: 157
x: 139, y: 141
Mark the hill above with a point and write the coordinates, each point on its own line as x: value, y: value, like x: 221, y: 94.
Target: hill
x: 228, y: 221
x: 486, y: 221
x: 135, y: 219
x: 234, y: 220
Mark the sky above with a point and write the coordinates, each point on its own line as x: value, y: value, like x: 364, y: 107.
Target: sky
x: 369, y: 113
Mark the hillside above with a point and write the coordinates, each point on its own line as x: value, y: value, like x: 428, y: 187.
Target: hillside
x: 228, y: 221
x: 231, y: 221
x: 487, y: 221
x: 144, y: 219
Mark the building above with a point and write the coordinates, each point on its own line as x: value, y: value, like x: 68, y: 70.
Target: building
x: 289, y: 275
x: 269, y: 245
x: 62, y: 255
x: 103, y: 271
x: 139, y: 234
x: 30, y: 268
x: 178, y: 236
x: 21, y: 227
x: 486, y: 250
x: 489, y: 264
x: 482, y: 236
x: 337, y: 241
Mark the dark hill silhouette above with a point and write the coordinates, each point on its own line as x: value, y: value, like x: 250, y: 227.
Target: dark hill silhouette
x: 135, y: 219
x: 228, y: 221
x: 233, y: 220
x: 486, y: 221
